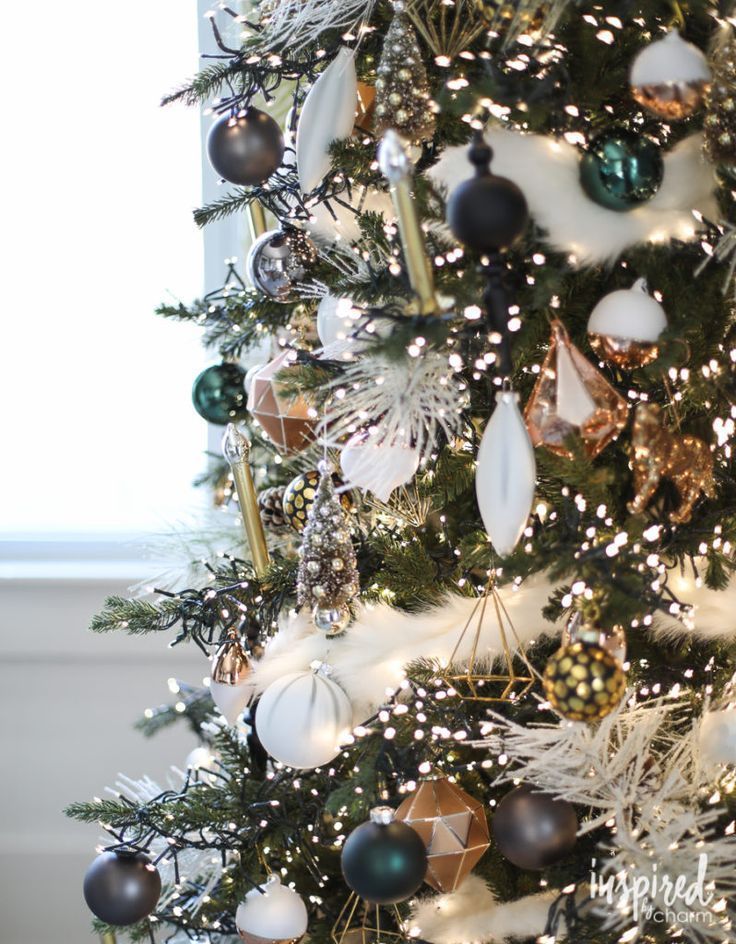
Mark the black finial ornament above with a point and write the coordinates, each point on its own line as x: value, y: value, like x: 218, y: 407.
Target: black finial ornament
x: 488, y: 213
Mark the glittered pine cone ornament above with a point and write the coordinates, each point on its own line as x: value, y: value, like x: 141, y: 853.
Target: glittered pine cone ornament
x: 584, y: 682
x: 328, y: 577
x: 270, y: 505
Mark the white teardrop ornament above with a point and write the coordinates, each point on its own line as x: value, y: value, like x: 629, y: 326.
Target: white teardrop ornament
x: 328, y: 115
x: 505, y: 478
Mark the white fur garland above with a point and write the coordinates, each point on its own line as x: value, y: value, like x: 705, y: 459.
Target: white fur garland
x: 471, y: 915
x: 547, y: 170
x: 371, y: 656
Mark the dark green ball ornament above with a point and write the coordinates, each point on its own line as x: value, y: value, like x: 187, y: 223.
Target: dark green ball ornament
x: 218, y: 393
x: 621, y: 169
x: 384, y: 861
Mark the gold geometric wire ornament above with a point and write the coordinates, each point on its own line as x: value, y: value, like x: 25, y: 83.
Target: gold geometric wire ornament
x: 360, y: 922
x: 478, y: 681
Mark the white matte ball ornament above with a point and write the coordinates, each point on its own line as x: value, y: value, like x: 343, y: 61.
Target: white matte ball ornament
x: 271, y: 913
x: 669, y: 77
x: 625, y: 325
x: 333, y: 319
x: 303, y: 718
x: 718, y: 738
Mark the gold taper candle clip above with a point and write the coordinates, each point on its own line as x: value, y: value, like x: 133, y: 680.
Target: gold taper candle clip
x: 397, y: 169
x: 236, y: 449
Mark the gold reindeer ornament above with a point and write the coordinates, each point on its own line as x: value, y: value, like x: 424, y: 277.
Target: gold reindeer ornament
x: 658, y: 453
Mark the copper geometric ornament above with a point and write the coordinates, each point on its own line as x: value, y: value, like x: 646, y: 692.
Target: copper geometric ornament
x: 572, y: 397
x: 478, y: 681
x: 285, y: 418
x: 453, y: 827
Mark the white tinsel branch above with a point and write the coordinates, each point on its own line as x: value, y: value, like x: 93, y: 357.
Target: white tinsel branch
x: 294, y: 24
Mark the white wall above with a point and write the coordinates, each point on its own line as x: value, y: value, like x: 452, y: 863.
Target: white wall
x: 68, y: 700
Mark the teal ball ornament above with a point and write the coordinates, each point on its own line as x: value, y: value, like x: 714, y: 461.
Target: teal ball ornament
x: 621, y: 169
x: 384, y: 861
x: 218, y: 393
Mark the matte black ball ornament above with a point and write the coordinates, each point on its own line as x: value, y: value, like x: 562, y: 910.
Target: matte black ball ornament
x: 122, y: 887
x: 486, y: 213
x: 534, y: 830
x: 218, y: 393
x: 621, y: 169
x: 278, y: 260
x: 384, y: 861
x: 245, y: 149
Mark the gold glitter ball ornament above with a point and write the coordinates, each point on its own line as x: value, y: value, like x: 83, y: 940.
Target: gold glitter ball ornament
x: 299, y: 497
x: 583, y: 682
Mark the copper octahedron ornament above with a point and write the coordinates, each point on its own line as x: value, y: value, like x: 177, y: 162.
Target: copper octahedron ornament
x: 571, y: 396
x: 658, y: 453
x: 285, y: 418
x: 453, y: 827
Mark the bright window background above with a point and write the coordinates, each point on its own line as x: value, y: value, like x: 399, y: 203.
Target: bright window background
x: 98, y: 185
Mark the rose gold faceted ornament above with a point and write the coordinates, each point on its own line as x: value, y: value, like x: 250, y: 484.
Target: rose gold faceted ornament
x: 571, y: 397
x: 453, y: 827
x: 284, y: 417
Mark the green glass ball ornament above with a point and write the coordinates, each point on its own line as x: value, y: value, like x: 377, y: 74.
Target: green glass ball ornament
x: 218, y: 393
x: 621, y: 169
x: 384, y: 861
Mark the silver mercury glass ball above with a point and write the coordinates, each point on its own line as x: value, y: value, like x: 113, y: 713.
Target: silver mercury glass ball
x: 278, y: 261
x: 332, y: 622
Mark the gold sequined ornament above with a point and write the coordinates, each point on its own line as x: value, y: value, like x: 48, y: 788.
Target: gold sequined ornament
x: 299, y: 495
x: 453, y: 826
x: 571, y: 397
x: 583, y: 682
x: 658, y: 453
x: 402, y: 88
x: 670, y: 77
x: 327, y: 579
x: 719, y: 123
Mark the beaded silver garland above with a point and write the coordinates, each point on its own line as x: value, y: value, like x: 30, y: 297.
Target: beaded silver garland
x: 328, y: 578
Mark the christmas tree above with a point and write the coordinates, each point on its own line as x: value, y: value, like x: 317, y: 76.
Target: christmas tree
x: 474, y: 680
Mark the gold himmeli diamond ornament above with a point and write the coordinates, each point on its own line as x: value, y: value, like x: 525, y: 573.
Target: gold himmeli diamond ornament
x: 477, y: 681
x: 360, y: 922
x: 452, y: 825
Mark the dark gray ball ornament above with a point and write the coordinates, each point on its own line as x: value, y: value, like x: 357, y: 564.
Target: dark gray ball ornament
x: 384, y: 861
x: 246, y: 149
x: 534, y: 830
x: 122, y: 887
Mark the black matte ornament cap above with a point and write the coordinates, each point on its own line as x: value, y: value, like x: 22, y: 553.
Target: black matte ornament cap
x: 218, y: 393
x: 486, y: 213
x: 384, y: 861
x: 246, y: 149
x: 122, y: 887
x: 534, y: 830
